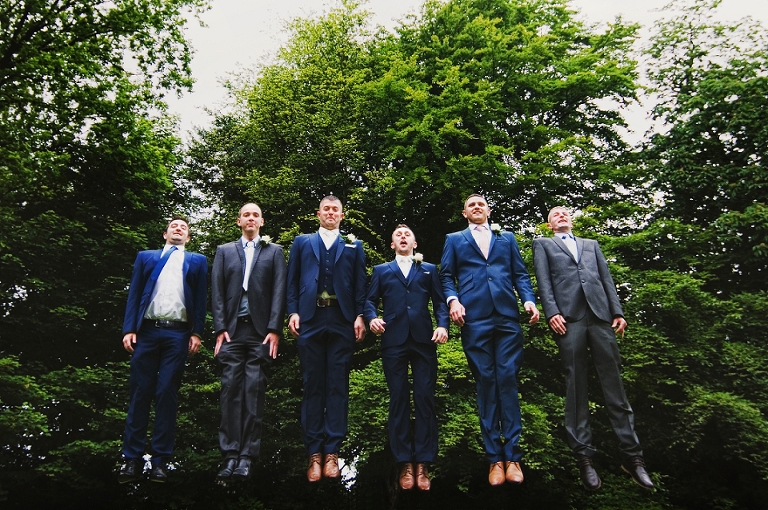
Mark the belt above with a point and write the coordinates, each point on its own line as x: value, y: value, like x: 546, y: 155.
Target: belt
x: 160, y: 323
x: 322, y: 303
x: 244, y: 319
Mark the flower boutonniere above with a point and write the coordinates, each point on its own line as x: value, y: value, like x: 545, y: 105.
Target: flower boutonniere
x: 349, y: 238
x: 417, y: 258
x: 496, y: 228
x: 265, y: 240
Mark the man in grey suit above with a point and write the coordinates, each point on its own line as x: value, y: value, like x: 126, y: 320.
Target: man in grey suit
x: 248, y: 300
x: 582, y: 308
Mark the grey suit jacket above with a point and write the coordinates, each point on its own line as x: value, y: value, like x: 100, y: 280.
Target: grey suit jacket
x: 267, y: 286
x: 567, y: 286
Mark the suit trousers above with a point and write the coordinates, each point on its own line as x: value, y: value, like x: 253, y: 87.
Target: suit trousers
x: 157, y: 365
x: 592, y: 335
x: 422, y: 445
x: 244, y: 359
x: 326, y: 344
x: 494, y: 349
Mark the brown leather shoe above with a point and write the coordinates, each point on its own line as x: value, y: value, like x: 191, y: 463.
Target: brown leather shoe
x: 331, y: 468
x: 406, y: 476
x: 422, y: 477
x: 496, y: 474
x: 513, y: 472
x: 315, y: 471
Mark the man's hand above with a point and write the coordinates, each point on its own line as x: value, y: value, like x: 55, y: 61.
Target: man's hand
x: 557, y: 323
x: 128, y: 340
x: 531, y: 308
x: 194, y: 344
x: 377, y: 325
x: 619, y: 325
x: 273, y: 340
x: 293, y: 324
x: 220, y: 339
x: 457, y: 312
x: 440, y: 336
x: 359, y: 329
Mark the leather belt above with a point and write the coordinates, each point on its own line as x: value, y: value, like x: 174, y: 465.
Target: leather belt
x: 161, y: 323
x: 244, y: 319
x: 322, y: 303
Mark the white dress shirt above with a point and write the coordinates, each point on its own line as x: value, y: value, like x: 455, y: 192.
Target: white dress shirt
x: 404, y: 262
x: 167, y: 302
x: 329, y: 236
x: 570, y: 242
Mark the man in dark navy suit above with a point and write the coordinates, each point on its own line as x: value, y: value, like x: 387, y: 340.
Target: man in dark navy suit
x: 486, y: 264
x: 164, y: 320
x: 326, y: 296
x: 582, y: 307
x: 406, y: 286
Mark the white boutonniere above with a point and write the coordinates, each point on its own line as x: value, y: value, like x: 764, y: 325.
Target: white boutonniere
x: 349, y: 238
x: 265, y: 240
x: 417, y: 258
x: 496, y: 228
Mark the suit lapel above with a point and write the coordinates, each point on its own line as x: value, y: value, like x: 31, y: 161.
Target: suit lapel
x: 559, y: 242
x: 339, y: 248
x: 395, y: 268
x: 315, y: 241
x: 241, y: 253
x: 467, y: 233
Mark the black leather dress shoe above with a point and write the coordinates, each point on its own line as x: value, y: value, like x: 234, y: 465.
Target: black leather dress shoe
x: 587, y: 473
x: 158, y: 474
x: 635, y: 466
x: 243, y: 468
x: 227, y: 468
x: 130, y: 470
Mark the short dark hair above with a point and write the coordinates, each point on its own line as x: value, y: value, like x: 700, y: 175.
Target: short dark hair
x: 177, y: 217
x: 403, y: 225
x: 475, y: 195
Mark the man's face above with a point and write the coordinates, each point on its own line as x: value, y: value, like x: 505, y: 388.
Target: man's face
x: 330, y: 214
x: 250, y: 220
x: 177, y: 233
x: 403, y: 241
x: 560, y: 220
x: 476, y: 210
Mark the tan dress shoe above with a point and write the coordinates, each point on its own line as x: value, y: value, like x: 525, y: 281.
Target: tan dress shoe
x: 315, y: 471
x: 406, y: 476
x: 496, y: 474
x: 331, y: 468
x: 422, y: 477
x: 513, y: 472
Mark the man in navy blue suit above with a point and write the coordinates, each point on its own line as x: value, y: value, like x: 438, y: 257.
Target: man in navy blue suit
x: 164, y: 320
x: 406, y: 286
x: 326, y: 296
x: 486, y: 263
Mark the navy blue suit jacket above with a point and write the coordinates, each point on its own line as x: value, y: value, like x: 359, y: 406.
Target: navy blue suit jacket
x: 349, y: 278
x: 195, y: 270
x: 406, y: 302
x: 485, y: 285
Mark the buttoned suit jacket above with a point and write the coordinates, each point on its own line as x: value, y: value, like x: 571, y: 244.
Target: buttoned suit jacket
x: 349, y: 279
x: 195, y: 277
x: 568, y: 287
x: 485, y: 285
x: 266, y: 287
x: 406, y: 302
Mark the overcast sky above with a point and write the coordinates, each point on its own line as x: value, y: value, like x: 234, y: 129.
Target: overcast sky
x: 245, y: 33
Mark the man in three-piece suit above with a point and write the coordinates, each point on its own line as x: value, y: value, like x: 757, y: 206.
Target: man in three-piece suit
x: 582, y: 308
x: 406, y: 286
x: 326, y: 296
x: 164, y: 319
x: 248, y: 301
x: 489, y: 269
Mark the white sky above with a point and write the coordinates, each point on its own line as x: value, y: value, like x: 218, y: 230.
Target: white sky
x: 244, y: 33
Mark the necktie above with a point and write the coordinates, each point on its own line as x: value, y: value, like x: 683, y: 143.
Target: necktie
x: 570, y: 242
x: 482, y: 239
x: 161, y: 263
x: 250, y: 247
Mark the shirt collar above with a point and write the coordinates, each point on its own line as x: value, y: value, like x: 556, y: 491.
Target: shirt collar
x: 402, y: 259
x: 474, y: 226
x: 244, y: 240
x: 167, y: 247
x: 329, y: 233
x: 563, y: 235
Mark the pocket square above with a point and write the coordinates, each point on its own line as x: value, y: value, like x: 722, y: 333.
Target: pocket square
x: 426, y: 272
x: 349, y: 245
